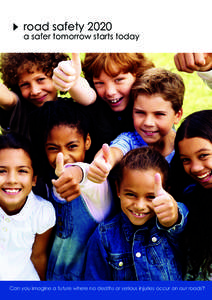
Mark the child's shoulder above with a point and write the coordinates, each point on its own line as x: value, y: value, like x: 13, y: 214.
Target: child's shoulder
x: 42, y: 213
x: 37, y: 202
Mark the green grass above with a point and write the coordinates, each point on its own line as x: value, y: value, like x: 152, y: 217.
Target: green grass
x: 198, y: 95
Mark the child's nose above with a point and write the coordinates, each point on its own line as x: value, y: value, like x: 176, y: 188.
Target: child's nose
x: 35, y: 89
x: 140, y: 205
x: 196, y: 166
x: 12, y: 177
x: 149, y: 120
x: 66, y: 157
x: 110, y: 90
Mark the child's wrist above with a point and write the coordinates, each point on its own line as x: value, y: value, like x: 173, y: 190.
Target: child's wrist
x: 81, y: 175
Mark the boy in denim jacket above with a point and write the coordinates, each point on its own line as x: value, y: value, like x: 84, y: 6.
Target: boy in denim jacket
x: 141, y: 242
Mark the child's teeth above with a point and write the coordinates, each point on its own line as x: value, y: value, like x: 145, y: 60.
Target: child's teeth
x: 138, y: 214
x: 115, y: 101
x: 203, y: 176
x: 12, y: 190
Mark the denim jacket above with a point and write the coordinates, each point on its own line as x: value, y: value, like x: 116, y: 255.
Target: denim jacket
x: 73, y: 228
x: 118, y: 250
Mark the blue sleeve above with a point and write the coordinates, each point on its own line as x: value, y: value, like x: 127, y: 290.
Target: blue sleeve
x: 96, y: 267
x: 179, y: 227
x: 123, y: 142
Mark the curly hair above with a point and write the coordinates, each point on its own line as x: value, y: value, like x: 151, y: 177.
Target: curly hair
x: 13, y: 64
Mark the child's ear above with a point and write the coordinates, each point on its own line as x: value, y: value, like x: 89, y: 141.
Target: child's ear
x: 87, y: 142
x: 34, y: 180
x: 178, y: 116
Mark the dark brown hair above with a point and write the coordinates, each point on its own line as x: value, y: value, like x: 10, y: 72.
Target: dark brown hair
x: 143, y: 158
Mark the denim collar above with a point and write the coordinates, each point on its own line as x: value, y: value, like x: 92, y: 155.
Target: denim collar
x: 129, y: 229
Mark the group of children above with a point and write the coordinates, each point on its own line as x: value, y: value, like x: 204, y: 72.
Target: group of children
x: 122, y: 186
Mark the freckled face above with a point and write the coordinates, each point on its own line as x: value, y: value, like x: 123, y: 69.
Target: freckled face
x: 115, y: 91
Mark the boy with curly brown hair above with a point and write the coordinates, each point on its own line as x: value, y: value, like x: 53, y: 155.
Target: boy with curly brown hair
x: 28, y: 84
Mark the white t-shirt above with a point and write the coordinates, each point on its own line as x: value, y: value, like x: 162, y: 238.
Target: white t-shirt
x: 17, y: 234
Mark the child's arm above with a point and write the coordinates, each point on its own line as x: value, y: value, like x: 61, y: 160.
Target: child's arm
x: 103, y: 162
x: 39, y: 255
x: 73, y: 181
x: 165, y: 207
x: 67, y: 77
x: 8, y: 99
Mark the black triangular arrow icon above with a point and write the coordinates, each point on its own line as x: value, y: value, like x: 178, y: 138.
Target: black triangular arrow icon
x: 14, y: 26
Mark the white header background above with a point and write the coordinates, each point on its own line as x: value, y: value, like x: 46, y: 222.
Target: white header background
x: 162, y: 26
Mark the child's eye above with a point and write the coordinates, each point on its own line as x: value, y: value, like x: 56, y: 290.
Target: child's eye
x: 24, y: 85
x: 23, y: 171
x: 72, y: 146
x: 98, y: 83
x: 2, y: 171
x: 118, y: 80
x: 51, y: 148
x: 130, y: 194
x: 203, y: 156
x: 139, y: 112
x: 41, y: 79
x: 150, y: 197
x: 185, y: 161
x: 160, y: 114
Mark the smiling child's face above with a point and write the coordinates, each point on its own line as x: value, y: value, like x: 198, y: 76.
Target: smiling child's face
x: 115, y: 91
x: 69, y: 141
x: 16, y: 179
x: 196, y: 156
x: 136, y: 192
x: 36, y: 87
x: 154, y: 118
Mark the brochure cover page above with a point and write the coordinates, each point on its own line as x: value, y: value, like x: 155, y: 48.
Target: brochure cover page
x: 158, y: 29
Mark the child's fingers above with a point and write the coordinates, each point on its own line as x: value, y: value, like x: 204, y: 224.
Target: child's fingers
x: 98, y: 171
x: 59, y: 164
x: 71, y: 67
x: 158, y: 185
x: 76, y: 61
x: 106, y: 152
x: 65, y: 68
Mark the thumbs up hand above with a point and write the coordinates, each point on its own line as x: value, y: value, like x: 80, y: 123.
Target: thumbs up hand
x: 101, y: 165
x: 67, y: 185
x: 59, y: 164
x: 67, y: 73
x: 164, y: 205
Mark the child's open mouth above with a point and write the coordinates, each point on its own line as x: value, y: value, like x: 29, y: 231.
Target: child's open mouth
x: 204, y: 177
x: 138, y: 215
x: 11, y: 191
x: 115, y: 101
